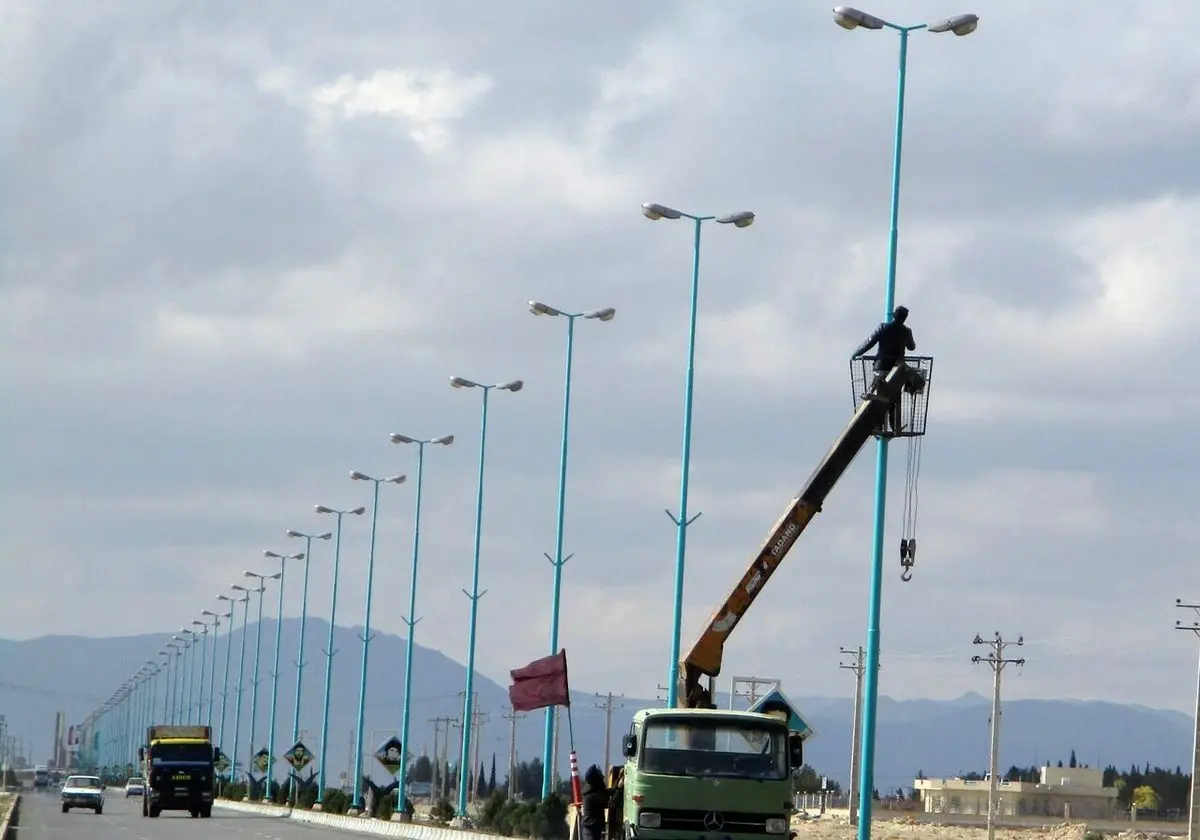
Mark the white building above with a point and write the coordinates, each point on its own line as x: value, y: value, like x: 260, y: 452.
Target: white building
x: 1067, y: 792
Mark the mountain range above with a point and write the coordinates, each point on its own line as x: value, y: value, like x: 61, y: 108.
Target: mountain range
x: 73, y: 674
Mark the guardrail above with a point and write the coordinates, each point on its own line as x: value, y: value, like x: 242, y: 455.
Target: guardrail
x: 10, y: 815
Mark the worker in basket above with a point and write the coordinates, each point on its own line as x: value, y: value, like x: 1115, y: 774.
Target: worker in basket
x: 893, y: 338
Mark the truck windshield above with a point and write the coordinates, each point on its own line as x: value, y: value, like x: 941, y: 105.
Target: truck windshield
x: 709, y: 748
x: 180, y: 754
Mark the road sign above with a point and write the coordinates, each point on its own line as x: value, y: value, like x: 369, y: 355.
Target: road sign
x: 222, y: 763
x: 298, y: 756
x: 261, y: 759
x: 776, y: 704
x: 390, y: 754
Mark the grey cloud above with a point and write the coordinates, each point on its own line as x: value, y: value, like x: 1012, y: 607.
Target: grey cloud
x: 202, y: 455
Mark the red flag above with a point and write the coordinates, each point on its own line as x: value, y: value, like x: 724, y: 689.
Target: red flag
x: 541, y: 683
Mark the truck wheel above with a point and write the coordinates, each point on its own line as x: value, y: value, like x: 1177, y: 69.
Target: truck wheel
x: 154, y: 812
x: 206, y: 812
x: 145, y: 810
x: 65, y: 809
x: 193, y: 813
x: 99, y: 810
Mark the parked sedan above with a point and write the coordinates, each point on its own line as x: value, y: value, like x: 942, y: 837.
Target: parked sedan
x: 83, y: 792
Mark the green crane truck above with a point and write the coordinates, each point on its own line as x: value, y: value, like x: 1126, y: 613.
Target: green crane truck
x: 177, y: 764
x: 700, y: 773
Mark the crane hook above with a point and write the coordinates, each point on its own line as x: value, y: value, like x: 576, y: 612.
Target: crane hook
x: 908, y: 557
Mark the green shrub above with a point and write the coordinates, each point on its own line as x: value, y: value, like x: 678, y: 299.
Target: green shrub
x: 442, y: 811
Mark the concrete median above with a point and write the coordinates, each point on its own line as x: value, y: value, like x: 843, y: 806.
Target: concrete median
x: 10, y: 815
x: 382, y: 828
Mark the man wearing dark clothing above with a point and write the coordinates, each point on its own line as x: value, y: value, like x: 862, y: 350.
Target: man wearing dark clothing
x: 595, y: 800
x: 893, y: 338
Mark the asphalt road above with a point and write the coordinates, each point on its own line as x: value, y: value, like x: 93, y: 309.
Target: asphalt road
x: 42, y: 819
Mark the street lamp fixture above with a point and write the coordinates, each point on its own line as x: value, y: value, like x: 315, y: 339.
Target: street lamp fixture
x: 358, y: 511
x: 654, y: 212
x: 459, y: 382
x: 849, y: 17
x: 394, y: 479
x: 444, y: 440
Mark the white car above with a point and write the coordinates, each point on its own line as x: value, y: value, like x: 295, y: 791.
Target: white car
x: 83, y: 792
x: 135, y: 787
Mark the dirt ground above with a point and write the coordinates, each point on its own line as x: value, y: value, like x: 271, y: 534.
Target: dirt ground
x: 839, y: 828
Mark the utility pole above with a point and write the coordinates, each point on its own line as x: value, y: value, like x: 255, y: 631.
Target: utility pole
x: 512, y: 718
x: 752, y: 684
x: 478, y: 719
x: 859, y: 668
x: 554, y: 754
x: 995, y: 659
x: 608, y: 705
x: 1194, y: 794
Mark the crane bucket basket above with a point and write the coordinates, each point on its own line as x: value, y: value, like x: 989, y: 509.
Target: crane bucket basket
x: 914, y: 401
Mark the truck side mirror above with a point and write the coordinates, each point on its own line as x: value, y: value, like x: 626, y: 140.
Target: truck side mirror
x: 141, y: 753
x: 629, y: 746
x: 795, y: 751
x: 216, y: 754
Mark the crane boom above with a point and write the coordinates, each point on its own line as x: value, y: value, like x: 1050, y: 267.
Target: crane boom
x: 704, y: 659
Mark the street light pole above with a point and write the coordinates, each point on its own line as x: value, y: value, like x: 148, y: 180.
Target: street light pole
x: 411, y: 620
x: 212, y: 675
x: 262, y: 588
x: 203, y: 625
x: 558, y: 560
x: 237, y: 711
x: 851, y: 18
x: 177, y: 701
x: 270, y: 774
x: 190, y: 677
x: 742, y: 219
x: 228, y: 659
x: 300, y: 663
x: 357, y: 801
x: 329, y: 651
x: 474, y: 595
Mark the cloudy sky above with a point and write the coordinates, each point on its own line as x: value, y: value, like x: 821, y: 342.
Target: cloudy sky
x: 244, y: 243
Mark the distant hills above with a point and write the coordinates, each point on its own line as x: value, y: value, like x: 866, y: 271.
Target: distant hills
x: 941, y: 738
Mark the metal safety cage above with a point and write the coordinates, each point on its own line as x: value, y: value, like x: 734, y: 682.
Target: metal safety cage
x: 914, y: 400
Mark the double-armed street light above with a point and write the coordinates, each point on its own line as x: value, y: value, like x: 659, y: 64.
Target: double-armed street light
x: 237, y: 712
x: 356, y: 800
x: 260, y: 589
x: 329, y: 651
x: 283, y: 560
x: 300, y: 663
x: 851, y: 18
x: 474, y: 595
x: 742, y: 219
x: 558, y: 560
x: 411, y: 619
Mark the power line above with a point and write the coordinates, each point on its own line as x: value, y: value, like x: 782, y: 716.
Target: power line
x: 995, y: 659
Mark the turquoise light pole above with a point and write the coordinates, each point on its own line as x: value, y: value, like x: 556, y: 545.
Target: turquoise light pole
x: 851, y: 18
x: 228, y: 659
x: 743, y: 219
x: 329, y: 651
x: 179, y: 646
x: 166, y: 654
x: 212, y: 675
x: 190, y: 693
x: 357, y: 800
x: 558, y: 560
x: 300, y: 663
x: 411, y: 620
x: 237, y: 708
x: 464, y: 769
x: 283, y: 561
x: 261, y: 590
x: 200, y: 692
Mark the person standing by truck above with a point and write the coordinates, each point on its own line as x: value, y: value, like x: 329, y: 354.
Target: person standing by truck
x: 595, y: 801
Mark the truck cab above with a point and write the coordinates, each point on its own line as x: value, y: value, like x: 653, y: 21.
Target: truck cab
x: 708, y: 774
